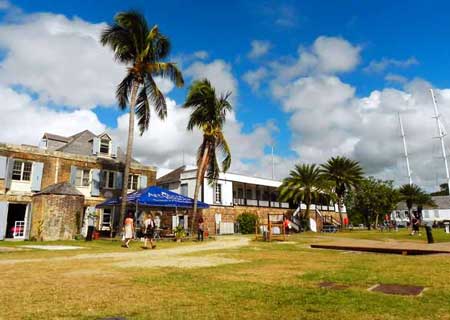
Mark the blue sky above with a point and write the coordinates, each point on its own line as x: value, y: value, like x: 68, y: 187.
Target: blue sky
x: 398, y: 47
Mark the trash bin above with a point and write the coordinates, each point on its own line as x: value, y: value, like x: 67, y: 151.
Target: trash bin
x: 447, y: 226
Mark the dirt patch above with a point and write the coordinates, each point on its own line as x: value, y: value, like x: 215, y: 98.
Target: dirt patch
x: 51, y: 247
x: 157, y: 258
x: 398, y: 289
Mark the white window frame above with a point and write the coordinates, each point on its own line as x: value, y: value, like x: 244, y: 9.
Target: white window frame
x: 84, y: 172
x: 106, y: 179
x: 217, y: 193
x: 133, y: 180
x: 104, y: 142
x: 22, y: 170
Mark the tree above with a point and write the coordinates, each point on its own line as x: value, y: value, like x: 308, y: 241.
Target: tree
x: 304, y: 184
x: 443, y: 190
x: 345, y: 174
x: 410, y: 193
x: 142, y: 50
x: 413, y: 194
x: 372, y: 199
x: 209, y: 115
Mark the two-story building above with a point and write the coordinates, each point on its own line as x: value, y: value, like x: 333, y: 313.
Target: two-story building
x: 233, y: 194
x: 229, y: 196
x: 93, y: 166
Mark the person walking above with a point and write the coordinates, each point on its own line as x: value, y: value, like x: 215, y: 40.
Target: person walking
x: 200, y: 229
x: 149, y: 232
x: 415, y: 225
x: 128, y: 229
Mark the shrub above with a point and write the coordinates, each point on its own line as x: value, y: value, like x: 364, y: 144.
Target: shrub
x: 247, y: 222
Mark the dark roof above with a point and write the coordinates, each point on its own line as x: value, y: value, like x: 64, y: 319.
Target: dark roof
x: 62, y: 188
x: 51, y: 136
x: 172, y: 176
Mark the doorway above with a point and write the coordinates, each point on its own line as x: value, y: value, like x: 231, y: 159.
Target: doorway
x: 15, y: 226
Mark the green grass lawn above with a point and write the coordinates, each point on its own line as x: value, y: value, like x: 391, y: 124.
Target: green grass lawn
x: 273, y: 281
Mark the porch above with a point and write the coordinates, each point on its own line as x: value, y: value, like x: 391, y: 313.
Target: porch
x: 253, y: 195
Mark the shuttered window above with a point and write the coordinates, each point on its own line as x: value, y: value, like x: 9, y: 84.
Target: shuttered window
x: 104, y: 146
x: 108, y: 179
x: 82, y: 178
x: 133, y: 182
x: 21, y: 170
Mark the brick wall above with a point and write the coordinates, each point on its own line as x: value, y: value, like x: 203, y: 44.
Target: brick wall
x: 57, y: 216
x: 230, y: 214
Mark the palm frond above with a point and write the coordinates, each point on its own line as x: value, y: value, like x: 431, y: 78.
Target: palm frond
x: 166, y: 70
x: 119, y: 40
x: 123, y: 90
x: 142, y: 110
x: 156, y: 96
x: 136, y: 25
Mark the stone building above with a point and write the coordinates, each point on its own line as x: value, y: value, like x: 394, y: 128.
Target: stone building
x: 92, y: 164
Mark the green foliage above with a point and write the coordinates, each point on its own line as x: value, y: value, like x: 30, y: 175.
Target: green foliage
x: 143, y: 50
x: 247, y: 222
x: 179, y: 232
x: 372, y: 198
x: 413, y: 194
x: 209, y: 115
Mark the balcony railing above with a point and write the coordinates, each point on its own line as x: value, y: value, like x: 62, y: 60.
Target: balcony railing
x: 260, y: 203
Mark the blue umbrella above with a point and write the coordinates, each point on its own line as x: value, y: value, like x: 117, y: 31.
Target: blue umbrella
x: 155, y: 197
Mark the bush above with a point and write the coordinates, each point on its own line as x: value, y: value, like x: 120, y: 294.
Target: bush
x: 247, y: 222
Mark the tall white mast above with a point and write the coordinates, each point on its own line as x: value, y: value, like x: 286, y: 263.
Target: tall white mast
x: 442, y: 134
x: 405, y: 148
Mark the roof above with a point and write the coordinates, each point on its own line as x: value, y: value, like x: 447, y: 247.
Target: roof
x: 62, y: 188
x: 442, y: 202
x: 172, y: 176
x: 51, y: 136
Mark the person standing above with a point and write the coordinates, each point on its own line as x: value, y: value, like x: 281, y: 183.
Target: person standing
x: 200, y: 229
x: 128, y: 229
x: 286, y: 225
x: 91, y: 226
x: 149, y: 232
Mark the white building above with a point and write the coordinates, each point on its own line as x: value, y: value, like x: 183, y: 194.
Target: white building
x: 229, y: 190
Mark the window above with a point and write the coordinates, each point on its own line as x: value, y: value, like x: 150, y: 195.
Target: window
x: 184, y: 189
x: 104, y: 146
x: 21, y: 170
x: 133, y: 182
x: 218, y: 193
x: 248, y: 194
x: 106, y: 219
x: 82, y: 178
x: 108, y: 179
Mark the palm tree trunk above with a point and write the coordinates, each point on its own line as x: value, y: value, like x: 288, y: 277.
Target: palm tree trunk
x: 200, y: 177
x: 308, y: 205
x: 340, y: 213
x: 126, y: 174
x: 376, y: 221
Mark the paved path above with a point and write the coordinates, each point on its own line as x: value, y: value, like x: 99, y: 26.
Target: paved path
x: 175, y: 257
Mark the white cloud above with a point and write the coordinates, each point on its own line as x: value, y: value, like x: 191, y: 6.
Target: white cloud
x: 254, y: 78
x: 218, y: 72
x: 259, y: 48
x: 24, y: 120
x: 60, y: 59
x: 327, y: 55
x: 395, y: 78
x: 385, y: 63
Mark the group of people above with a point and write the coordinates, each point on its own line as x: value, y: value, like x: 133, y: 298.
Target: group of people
x: 149, y: 227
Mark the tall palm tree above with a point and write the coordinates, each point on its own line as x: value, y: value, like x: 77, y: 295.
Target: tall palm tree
x: 208, y: 114
x: 305, y: 184
x: 142, y: 50
x: 345, y: 175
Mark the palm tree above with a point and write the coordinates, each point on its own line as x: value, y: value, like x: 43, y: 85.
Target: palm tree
x: 305, y: 184
x: 345, y: 175
x: 208, y: 114
x: 413, y: 194
x: 142, y: 50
